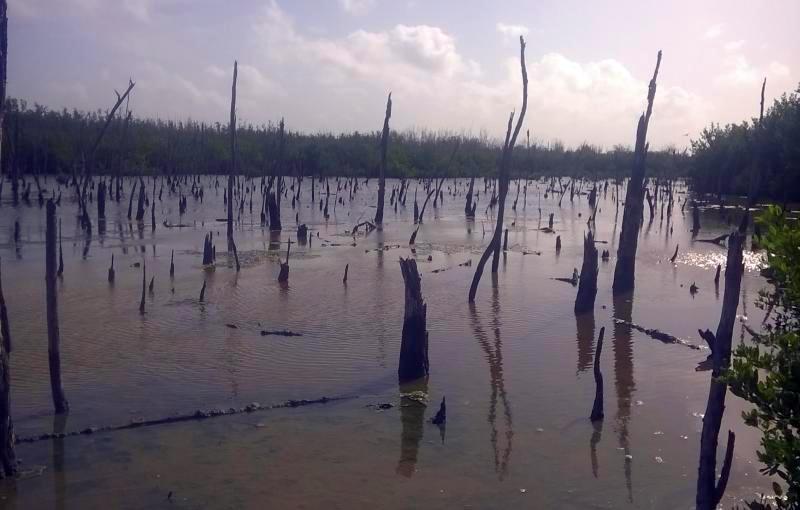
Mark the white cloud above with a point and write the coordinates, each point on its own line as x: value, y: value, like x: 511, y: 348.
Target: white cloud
x: 713, y: 31
x: 356, y: 6
x: 511, y: 31
x: 438, y: 87
x: 778, y: 69
x: 734, y: 45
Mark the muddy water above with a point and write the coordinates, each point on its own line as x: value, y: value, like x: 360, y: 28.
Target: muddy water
x: 515, y: 368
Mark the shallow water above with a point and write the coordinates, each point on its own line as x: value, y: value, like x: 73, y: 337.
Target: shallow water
x: 515, y: 368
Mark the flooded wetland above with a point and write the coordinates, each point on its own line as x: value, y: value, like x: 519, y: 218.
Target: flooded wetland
x: 515, y: 366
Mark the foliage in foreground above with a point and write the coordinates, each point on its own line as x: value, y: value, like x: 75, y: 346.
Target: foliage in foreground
x: 724, y: 158
x: 767, y: 372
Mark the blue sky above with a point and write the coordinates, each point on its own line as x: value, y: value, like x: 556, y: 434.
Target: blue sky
x: 328, y: 65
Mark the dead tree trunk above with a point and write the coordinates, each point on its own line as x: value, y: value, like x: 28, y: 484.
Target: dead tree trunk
x: 382, y: 175
x: 709, y: 491
x: 597, y: 407
x: 232, y: 170
x: 634, y: 200
x: 53, y: 336
x: 414, y: 346
x: 140, y: 203
x: 144, y: 281
x: 469, y: 209
x: 5, y: 331
x: 587, y: 289
x: 508, y: 148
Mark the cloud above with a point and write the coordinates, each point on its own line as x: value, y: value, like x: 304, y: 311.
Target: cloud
x: 738, y: 71
x: 713, y: 31
x: 734, y: 45
x: 511, y: 31
x: 436, y: 86
x: 356, y: 6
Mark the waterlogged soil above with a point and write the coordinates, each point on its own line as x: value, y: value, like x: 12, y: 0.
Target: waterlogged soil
x: 516, y: 368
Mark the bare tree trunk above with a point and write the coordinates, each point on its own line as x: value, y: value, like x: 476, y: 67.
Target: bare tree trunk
x: 414, y: 346
x: 709, y: 491
x: 508, y: 147
x: 469, y: 209
x: 233, y: 154
x: 53, y: 337
x: 624, y: 273
x: 587, y: 288
x: 5, y: 330
x: 382, y: 176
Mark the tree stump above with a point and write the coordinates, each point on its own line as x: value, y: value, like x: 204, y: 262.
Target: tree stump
x: 587, y: 287
x: 414, y: 346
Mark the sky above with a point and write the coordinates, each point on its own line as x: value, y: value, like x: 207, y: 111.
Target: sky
x: 327, y: 65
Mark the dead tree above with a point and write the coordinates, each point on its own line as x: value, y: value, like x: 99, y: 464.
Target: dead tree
x: 469, y: 207
x: 674, y: 255
x: 624, y: 272
x: 508, y: 148
x: 283, y: 275
x: 709, y: 491
x: 111, y: 272
x: 171, y: 264
x: 232, y: 169
x: 53, y: 336
x: 597, y: 407
x: 5, y: 331
x: 382, y: 175
x: 695, y: 218
x: 346, y: 268
x: 414, y: 346
x: 587, y: 288
x: 144, y: 282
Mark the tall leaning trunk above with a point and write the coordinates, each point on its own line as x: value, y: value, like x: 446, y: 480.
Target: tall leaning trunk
x: 634, y: 200
x: 232, y: 130
x: 53, y: 340
x: 505, y: 162
x: 709, y: 490
x: 587, y: 288
x: 8, y: 458
x: 382, y: 176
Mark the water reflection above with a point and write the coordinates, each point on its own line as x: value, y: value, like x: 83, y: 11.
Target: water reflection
x: 597, y: 434
x: 623, y: 378
x: 412, y: 417
x: 494, y: 356
x: 59, y: 474
x: 585, y: 336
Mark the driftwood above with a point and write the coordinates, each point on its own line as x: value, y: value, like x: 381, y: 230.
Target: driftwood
x: 624, y: 272
x: 414, y: 347
x: 717, y: 240
x: 508, y: 147
x: 597, y: 406
x: 282, y: 332
x: 709, y: 490
x: 674, y: 255
x: 587, y: 288
x: 53, y: 337
x: 200, y: 414
x: 382, y: 175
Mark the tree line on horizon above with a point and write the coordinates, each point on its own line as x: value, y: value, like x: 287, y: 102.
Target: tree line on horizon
x: 722, y: 161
